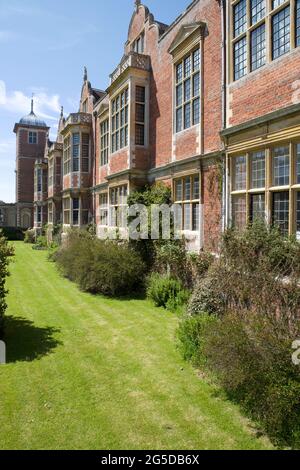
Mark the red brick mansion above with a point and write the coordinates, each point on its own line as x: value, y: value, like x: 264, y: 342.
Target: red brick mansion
x: 209, y: 105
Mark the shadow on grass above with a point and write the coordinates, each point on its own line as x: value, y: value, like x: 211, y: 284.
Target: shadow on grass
x: 26, y: 342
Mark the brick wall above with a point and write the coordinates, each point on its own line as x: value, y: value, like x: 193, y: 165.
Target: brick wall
x: 273, y: 87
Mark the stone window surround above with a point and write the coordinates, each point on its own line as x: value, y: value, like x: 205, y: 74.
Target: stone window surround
x: 33, y: 135
x: 68, y: 146
x: 191, y: 200
x: 267, y: 20
x: 131, y: 83
x: 293, y: 188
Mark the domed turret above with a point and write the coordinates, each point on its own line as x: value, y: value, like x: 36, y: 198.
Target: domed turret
x: 32, y: 119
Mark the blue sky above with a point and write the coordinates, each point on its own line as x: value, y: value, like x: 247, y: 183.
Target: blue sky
x: 44, y: 45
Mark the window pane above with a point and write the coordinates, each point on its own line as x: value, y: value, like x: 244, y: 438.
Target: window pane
x: 179, y: 72
x: 196, y: 218
x: 298, y: 216
x: 187, y: 189
x: 281, y: 32
x: 187, y: 67
x: 196, y: 192
x: 297, y: 22
x: 298, y: 163
x: 140, y: 94
x: 196, y: 85
x: 276, y: 3
x: 196, y: 111
x: 240, y: 167
x: 179, y: 120
x: 240, y: 17
x: 240, y: 58
x: 258, y: 170
x: 258, y: 47
x: 187, y: 217
x: 196, y: 59
x: 258, y: 10
x: 281, y: 211
x: 187, y: 90
x: 187, y: 115
x: 179, y: 95
x: 239, y: 212
x: 281, y: 166
x: 258, y: 207
x: 139, y: 134
x: 140, y: 113
x: 178, y: 190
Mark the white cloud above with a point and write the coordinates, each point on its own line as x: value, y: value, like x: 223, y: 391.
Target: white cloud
x: 19, y: 103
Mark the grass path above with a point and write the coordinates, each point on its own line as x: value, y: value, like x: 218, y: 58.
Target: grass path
x: 88, y: 372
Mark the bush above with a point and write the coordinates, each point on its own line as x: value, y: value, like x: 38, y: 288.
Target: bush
x: 41, y: 243
x: 100, y: 267
x: 13, y: 233
x: 29, y: 236
x: 166, y: 292
x: 6, y: 252
x: 253, y: 290
x: 191, y: 335
x: 208, y: 296
x: 252, y: 359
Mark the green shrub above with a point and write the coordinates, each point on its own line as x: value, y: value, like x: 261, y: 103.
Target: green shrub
x: 199, y: 264
x: 208, y: 296
x: 100, y: 267
x: 41, y: 243
x: 253, y: 291
x: 6, y: 252
x: 252, y: 358
x: 29, y: 236
x: 191, y: 335
x: 166, y: 292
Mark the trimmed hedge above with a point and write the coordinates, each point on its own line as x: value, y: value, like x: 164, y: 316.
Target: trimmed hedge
x: 13, y: 233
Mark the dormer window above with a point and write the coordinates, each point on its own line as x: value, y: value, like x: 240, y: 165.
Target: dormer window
x: 138, y: 45
x: 187, y: 96
x: 32, y: 138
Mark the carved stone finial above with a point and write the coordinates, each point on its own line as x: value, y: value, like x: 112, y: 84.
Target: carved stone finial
x: 32, y: 103
x: 137, y: 4
x: 85, y: 76
x: 62, y: 111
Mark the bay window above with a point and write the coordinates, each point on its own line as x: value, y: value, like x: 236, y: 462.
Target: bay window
x: 119, y: 121
x: 265, y: 185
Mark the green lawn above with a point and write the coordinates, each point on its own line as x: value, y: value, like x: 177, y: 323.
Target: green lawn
x: 88, y: 372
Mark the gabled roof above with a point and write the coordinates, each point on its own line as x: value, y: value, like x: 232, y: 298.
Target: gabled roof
x: 184, y: 32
